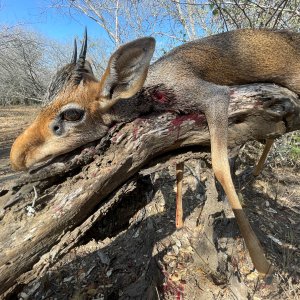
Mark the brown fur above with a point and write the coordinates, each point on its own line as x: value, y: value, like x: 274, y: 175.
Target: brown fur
x: 243, y: 56
x: 196, y: 74
x: 27, y: 148
x: 236, y: 57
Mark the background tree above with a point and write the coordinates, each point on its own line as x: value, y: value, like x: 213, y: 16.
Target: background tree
x: 181, y: 21
x: 26, y: 63
x: 274, y: 14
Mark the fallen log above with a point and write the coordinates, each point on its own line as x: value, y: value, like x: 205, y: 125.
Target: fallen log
x: 43, y: 208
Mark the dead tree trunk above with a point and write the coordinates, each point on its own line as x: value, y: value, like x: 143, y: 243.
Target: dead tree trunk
x: 76, y: 190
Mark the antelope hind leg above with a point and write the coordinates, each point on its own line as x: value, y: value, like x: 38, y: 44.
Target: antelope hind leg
x: 261, y: 162
x: 179, y: 178
x: 217, y: 118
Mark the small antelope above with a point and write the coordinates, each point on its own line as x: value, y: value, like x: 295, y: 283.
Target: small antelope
x: 193, y: 77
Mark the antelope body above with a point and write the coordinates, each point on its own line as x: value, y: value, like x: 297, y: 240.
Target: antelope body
x: 193, y: 77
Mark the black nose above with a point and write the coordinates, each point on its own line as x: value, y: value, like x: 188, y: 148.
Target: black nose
x: 57, y: 128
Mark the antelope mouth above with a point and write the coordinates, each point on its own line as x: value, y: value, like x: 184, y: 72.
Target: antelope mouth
x: 46, y: 161
x: 60, y: 158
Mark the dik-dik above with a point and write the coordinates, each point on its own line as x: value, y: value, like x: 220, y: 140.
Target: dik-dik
x: 193, y: 77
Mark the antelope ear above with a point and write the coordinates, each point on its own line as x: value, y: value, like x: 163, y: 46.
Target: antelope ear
x: 126, y: 71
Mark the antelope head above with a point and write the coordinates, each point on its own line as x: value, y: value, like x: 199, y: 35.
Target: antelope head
x: 78, y: 106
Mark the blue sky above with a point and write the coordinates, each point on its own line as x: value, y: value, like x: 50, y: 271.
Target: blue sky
x: 38, y: 16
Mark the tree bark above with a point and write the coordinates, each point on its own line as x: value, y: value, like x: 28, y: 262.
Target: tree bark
x: 75, y: 190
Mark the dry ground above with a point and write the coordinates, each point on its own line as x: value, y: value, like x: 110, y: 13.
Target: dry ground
x: 95, y: 269
x: 13, y: 120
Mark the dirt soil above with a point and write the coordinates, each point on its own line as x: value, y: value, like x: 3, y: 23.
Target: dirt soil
x: 13, y: 120
x: 169, y: 263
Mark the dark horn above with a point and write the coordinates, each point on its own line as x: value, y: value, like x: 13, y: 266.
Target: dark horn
x: 74, y: 55
x: 81, y: 60
x: 82, y: 54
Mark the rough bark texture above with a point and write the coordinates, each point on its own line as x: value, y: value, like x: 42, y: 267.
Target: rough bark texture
x: 75, y: 191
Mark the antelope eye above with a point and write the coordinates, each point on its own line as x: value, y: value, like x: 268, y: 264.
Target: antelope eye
x: 72, y: 114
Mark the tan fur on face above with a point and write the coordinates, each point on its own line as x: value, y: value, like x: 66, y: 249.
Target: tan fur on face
x: 38, y: 142
x: 75, y: 86
x: 24, y: 146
